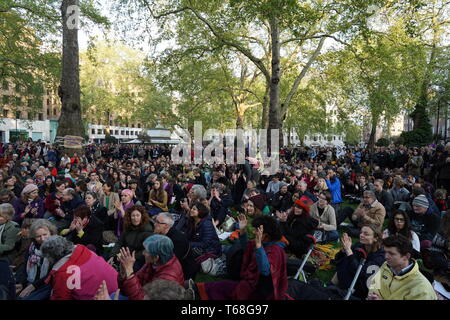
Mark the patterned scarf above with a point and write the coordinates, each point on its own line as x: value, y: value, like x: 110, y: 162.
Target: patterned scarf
x: 36, y: 260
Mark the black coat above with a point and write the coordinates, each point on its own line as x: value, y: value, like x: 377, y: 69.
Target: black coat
x: 296, y: 230
x: 93, y: 234
x: 386, y: 199
x: 133, y: 238
x: 182, y: 250
x: 284, y: 203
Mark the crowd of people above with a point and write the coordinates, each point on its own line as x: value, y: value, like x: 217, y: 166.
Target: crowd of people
x: 124, y: 222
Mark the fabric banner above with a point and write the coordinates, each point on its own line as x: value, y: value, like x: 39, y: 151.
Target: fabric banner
x: 73, y: 142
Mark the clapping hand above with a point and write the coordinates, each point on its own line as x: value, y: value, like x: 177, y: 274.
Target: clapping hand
x: 346, y: 244
x: 242, y: 223
x: 127, y: 260
x: 103, y: 294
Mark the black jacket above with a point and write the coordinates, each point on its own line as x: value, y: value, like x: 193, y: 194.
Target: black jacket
x: 284, y: 203
x: 133, y: 238
x: 386, y: 199
x: 93, y: 234
x: 427, y: 225
x: 296, y: 230
x: 182, y: 250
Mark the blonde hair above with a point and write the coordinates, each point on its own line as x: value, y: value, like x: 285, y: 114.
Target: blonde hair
x: 6, y: 211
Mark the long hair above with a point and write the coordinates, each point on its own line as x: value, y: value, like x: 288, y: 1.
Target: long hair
x: 145, y: 219
x: 377, y: 234
x: 406, y: 231
x: 159, y: 194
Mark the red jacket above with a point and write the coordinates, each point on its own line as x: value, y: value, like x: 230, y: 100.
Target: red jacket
x: 79, y: 276
x: 246, y: 288
x: 132, y: 288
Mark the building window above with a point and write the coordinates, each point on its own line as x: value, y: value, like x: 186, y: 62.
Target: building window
x: 128, y: 133
x: 54, y: 112
x: 99, y: 131
x: 116, y: 132
x: 5, y: 113
x: 5, y: 99
x: 93, y: 131
x: 41, y: 116
x: 5, y: 85
x: 18, y: 101
x: 122, y: 132
x: 30, y: 103
x: 139, y: 125
x: 30, y: 116
x: 48, y: 112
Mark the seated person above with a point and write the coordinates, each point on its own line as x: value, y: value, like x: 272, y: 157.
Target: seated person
x: 348, y: 259
x: 370, y: 211
x: 164, y: 225
x: 85, y: 229
x: 160, y: 263
x: 399, y: 277
x: 29, y: 205
x: 9, y: 232
x: 282, y: 200
x: 296, y: 226
x: 424, y: 222
x: 440, y: 249
x: 136, y: 228
x: 158, y: 199
x: 263, y: 271
x: 219, y: 203
x: 201, y: 232
x: 65, y: 257
x: 324, y: 213
x: 31, y: 278
x: 400, y: 224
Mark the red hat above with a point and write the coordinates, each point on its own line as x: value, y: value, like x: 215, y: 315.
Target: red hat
x: 189, y: 186
x: 303, y: 205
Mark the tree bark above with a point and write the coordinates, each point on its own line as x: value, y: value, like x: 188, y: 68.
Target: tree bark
x: 265, y: 109
x: 70, y: 122
x: 371, y: 143
x: 274, y: 91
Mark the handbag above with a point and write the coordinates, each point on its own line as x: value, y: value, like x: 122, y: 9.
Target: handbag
x: 228, y: 224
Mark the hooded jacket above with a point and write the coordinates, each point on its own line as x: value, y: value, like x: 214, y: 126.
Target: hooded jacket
x: 77, y: 276
x: 411, y: 286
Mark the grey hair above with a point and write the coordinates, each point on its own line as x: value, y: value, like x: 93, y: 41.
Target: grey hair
x: 302, y: 182
x: 370, y: 193
x: 162, y: 289
x: 168, y: 219
x: 56, y: 247
x: 71, y: 192
x: 42, y: 224
x: 217, y: 186
x: 6, y: 211
x: 199, y: 191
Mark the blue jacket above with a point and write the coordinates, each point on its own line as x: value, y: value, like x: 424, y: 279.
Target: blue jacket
x: 335, y: 189
x: 52, y: 156
x: 204, y: 235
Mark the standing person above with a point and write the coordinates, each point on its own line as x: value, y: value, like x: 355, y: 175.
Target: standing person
x: 334, y: 186
x: 399, y: 277
x: 108, y: 198
x: 65, y: 257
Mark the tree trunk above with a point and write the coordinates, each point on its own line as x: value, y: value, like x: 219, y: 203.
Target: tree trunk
x: 70, y: 122
x: 239, y: 119
x: 371, y: 143
x: 274, y: 91
x: 265, y: 111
